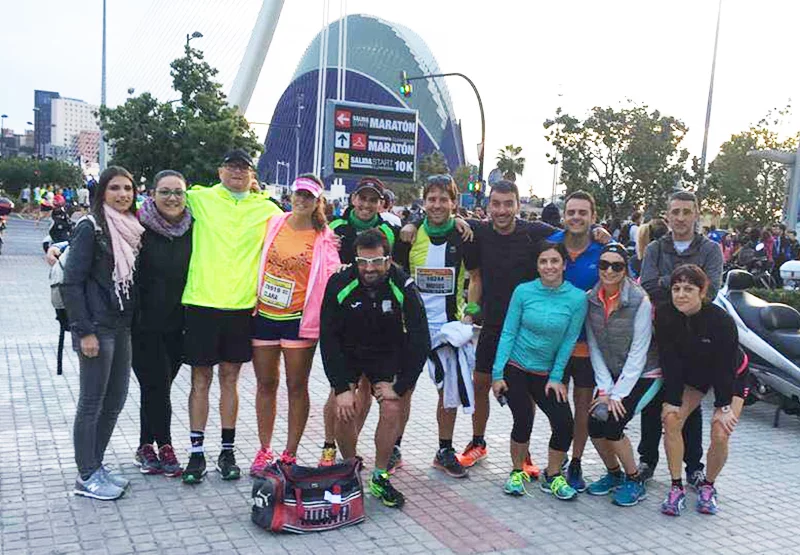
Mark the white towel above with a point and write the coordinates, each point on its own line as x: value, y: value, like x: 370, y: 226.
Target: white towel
x: 453, y: 350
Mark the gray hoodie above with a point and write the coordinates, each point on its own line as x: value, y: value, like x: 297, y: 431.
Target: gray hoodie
x: 661, y: 258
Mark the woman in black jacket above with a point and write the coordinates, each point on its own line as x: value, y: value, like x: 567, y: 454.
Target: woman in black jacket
x: 158, y: 322
x: 698, y: 346
x: 98, y: 295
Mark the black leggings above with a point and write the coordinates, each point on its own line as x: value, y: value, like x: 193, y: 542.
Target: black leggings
x: 157, y: 357
x: 642, y: 394
x: 522, y: 386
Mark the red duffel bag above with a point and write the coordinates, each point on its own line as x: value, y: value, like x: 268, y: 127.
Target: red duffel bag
x: 300, y: 499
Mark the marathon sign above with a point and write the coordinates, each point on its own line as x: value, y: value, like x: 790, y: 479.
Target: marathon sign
x: 368, y: 139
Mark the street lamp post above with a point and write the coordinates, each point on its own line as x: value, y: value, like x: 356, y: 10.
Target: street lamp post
x: 297, y: 136
x: 195, y: 35
x: 480, y: 105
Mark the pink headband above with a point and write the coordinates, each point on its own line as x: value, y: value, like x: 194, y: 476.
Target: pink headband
x: 306, y: 184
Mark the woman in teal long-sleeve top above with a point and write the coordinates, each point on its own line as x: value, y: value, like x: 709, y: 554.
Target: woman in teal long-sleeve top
x: 544, y: 319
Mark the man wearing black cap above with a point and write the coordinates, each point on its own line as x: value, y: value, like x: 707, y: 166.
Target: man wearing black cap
x: 228, y: 234
x: 364, y: 214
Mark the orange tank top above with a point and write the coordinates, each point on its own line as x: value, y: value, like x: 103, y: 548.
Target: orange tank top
x: 285, y: 272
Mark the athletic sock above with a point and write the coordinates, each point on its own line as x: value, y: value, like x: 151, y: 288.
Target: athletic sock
x: 399, y: 440
x: 197, y: 438
x: 445, y: 444
x: 478, y: 441
x: 329, y: 445
x: 615, y: 472
x: 707, y: 482
x: 678, y: 483
x: 228, y: 438
x: 576, y: 461
x: 633, y: 477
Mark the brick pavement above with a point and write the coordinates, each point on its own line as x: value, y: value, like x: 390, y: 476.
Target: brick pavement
x: 158, y: 515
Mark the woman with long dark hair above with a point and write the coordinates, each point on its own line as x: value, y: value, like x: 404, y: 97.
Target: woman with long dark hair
x: 98, y: 294
x: 158, y: 323
x: 299, y: 256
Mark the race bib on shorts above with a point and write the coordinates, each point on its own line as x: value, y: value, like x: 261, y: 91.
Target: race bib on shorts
x: 436, y: 281
x: 276, y: 292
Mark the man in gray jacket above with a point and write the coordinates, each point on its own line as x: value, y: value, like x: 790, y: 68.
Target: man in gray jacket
x: 683, y: 245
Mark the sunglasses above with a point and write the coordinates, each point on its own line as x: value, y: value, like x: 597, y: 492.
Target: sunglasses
x: 615, y: 266
x: 377, y: 261
x: 443, y: 179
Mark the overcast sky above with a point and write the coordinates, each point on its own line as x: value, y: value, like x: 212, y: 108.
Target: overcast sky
x: 526, y: 57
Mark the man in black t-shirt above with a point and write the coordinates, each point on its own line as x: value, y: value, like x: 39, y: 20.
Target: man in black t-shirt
x: 504, y: 250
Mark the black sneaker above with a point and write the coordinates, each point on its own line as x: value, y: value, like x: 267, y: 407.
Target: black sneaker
x: 226, y: 465
x: 195, y: 471
x: 696, y: 479
x: 645, y: 472
x: 395, y: 460
x: 446, y: 461
x: 383, y: 490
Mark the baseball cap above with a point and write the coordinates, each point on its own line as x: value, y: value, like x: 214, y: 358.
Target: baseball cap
x: 370, y: 183
x: 307, y: 184
x: 238, y: 155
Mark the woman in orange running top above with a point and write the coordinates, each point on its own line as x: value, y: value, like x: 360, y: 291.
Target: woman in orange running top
x: 298, y: 257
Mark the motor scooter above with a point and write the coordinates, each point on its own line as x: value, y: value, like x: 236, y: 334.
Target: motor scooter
x: 770, y: 334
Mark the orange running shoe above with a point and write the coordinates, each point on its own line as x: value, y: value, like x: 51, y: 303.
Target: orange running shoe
x: 472, y: 454
x: 531, y: 468
x: 328, y: 457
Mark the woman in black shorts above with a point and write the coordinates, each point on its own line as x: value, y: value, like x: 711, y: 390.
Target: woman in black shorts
x: 699, y: 349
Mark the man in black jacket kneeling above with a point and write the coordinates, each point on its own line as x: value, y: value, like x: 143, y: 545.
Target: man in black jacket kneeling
x: 373, y: 323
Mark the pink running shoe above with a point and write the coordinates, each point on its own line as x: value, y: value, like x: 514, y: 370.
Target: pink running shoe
x: 265, y: 457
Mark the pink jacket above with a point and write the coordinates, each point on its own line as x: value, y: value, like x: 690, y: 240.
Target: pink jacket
x: 324, y: 263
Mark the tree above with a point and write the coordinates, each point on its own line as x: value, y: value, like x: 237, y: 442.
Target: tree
x: 509, y: 161
x: 627, y: 158
x: 190, y: 135
x: 746, y: 188
x: 16, y: 173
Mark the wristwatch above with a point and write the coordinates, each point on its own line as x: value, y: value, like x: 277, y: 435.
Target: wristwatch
x: 726, y: 409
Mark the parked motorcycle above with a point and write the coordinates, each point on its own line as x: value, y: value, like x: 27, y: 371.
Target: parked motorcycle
x: 770, y: 334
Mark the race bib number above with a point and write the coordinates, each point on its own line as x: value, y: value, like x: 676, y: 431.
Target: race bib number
x: 436, y: 281
x: 277, y: 292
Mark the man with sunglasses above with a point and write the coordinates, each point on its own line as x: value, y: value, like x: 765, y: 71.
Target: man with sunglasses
x: 228, y: 233
x: 364, y: 214
x: 436, y: 261
x: 584, y: 247
x: 682, y: 245
x: 373, y: 336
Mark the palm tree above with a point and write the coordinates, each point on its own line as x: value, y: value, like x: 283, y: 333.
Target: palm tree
x: 510, y: 162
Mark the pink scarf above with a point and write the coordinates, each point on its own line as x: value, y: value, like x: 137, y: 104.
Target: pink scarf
x: 126, y: 238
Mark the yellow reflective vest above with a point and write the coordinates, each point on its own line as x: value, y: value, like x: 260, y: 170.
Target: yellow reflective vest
x: 227, y: 238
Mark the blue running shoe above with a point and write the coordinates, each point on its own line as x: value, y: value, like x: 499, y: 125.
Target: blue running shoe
x: 707, y: 500
x: 629, y: 493
x: 606, y: 484
x: 575, y: 476
x: 674, y: 502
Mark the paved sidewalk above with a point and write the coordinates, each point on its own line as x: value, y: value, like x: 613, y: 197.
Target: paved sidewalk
x: 759, y: 489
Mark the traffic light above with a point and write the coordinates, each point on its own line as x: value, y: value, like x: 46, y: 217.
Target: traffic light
x: 470, y: 185
x: 478, y: 186
x: 405, y: 86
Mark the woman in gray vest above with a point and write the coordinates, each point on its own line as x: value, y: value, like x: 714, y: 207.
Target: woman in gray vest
x: 626, y: 369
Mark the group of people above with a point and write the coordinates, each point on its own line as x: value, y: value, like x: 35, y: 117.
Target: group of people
x: 42, y: 200
x: 219, y: 276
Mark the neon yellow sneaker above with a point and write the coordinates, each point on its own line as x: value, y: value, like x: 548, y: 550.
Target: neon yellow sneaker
x: 515, y: 485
